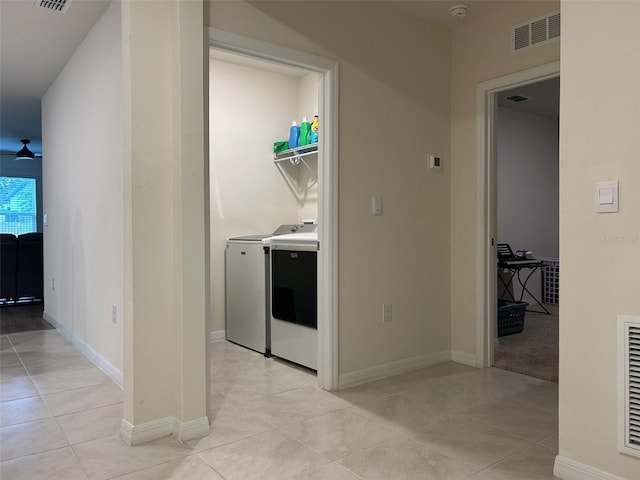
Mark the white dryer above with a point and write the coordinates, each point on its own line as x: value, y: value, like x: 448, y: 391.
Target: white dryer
x: 294, y: 298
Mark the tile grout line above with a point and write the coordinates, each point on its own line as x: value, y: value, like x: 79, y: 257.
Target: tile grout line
x: 25, y: 369
x: 41, y: 396
x: 508, y: 457
x: 197, y: 454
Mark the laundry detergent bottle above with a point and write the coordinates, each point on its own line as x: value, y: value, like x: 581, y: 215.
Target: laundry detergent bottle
x: 315, y: 126
x: 294, y: 133
x: 305, y: 132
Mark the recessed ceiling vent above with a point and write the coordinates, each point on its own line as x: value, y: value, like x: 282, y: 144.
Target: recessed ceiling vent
x: 536, y: 32
x: 60, y: 6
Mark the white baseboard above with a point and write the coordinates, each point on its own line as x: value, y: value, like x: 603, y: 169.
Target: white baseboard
x: 148, y: 431
x: 393, y: 368
x: 568, y: 469
x: 464, y: 357
x: 102, y: 363
x: 217, y: 335
x: 197, y: 428
x: 145, y: 432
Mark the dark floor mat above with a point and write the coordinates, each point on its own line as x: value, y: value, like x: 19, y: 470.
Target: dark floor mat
x: 22, y: 318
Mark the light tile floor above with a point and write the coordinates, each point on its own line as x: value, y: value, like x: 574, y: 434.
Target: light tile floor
x: 60, y: 417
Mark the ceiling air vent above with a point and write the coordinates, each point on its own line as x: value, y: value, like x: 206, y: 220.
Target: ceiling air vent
x: 536, y: 32
x: 60, y: 6
x: 629, y: 385
x: 517, y: 98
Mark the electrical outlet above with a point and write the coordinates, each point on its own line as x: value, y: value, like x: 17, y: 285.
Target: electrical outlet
x: 53, y: 284
x: 114, y: 314
x: 386, y: 313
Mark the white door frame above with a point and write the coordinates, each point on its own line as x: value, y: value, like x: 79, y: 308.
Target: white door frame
x: 486, y: 201
x: 327, y: 181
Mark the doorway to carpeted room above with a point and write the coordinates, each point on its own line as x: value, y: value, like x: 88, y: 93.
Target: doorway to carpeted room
x: 534, y: 351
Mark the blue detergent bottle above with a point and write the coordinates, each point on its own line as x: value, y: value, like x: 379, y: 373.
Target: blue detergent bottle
x: 294, y: 133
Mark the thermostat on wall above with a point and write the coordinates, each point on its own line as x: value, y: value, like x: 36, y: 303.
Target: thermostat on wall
x: 435, y: 161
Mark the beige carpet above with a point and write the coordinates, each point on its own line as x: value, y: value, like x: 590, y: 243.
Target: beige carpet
x: 22, y: 318
x: 534, y: 352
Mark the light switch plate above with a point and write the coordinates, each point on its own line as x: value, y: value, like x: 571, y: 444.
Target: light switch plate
x: 607, y: 196
x: 376, y: 205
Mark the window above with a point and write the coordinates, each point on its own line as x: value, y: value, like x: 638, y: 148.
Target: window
x: 18, y: 205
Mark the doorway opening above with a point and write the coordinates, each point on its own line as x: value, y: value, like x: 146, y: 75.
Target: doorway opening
x: 527, y: 128
x: 487, y: 205
x: 298, y: 191
x: 21, y: 282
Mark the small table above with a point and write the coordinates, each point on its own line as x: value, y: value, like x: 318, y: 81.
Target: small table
x: 515, y: 266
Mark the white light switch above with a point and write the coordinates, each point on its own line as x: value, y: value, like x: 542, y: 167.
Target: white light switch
x: 377, y: 205
x: 607, y: 196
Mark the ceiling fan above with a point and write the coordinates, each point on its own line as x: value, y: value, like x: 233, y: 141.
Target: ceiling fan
x: 24, y: 153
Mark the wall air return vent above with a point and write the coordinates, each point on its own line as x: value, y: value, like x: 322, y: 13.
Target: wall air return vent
x: 536, y: 32
x: 629, y: 385
x: 60, y: 6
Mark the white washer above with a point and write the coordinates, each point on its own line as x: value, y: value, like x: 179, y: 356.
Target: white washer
x: 294, y: 299
x: 247, y: 280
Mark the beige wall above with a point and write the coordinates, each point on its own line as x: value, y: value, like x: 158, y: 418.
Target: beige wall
x: 165, y: 334
x: 124, y: 194
x: 600, y: 253
x: 308, y: 177
x: 83, y: 196
x: 394, y: 110
x: 480, y: 51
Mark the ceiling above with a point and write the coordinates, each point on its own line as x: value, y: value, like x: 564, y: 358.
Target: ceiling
x: 35, y: 44
x: 543, y: 98
x: 437, y: 11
